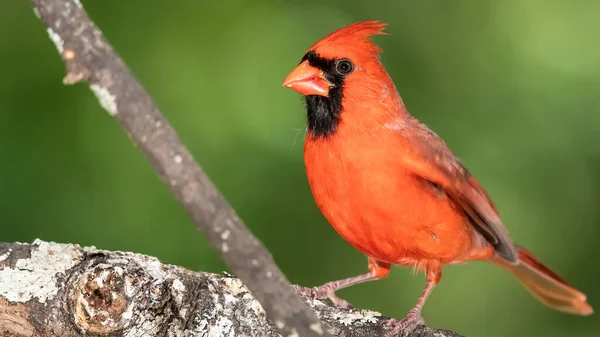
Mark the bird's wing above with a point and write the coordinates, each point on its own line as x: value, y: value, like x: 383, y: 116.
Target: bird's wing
x: 431, y: 159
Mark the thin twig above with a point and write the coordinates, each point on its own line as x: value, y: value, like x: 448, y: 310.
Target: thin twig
x: 90, y: 58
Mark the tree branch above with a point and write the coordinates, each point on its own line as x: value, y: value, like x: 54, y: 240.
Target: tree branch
x: 90, y: 58
x: 49, y: 289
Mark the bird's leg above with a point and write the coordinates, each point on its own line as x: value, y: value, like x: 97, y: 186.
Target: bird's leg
x: 328, y: 289
x: 413, y: 318
x: 377, y: 270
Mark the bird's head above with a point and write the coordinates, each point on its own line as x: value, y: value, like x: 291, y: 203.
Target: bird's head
x: 335, y: 58
x: 340, y: 72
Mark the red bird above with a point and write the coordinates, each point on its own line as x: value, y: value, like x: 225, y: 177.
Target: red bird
x: 391, y: 187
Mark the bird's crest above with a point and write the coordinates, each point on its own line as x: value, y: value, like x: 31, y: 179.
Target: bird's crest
x: 355, y: 38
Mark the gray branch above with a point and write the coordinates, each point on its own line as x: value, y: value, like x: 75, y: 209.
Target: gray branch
x: 49, y: 289
x: 90, y: 58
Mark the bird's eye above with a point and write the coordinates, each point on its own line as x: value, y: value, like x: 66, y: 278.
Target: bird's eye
x: 344, y: 67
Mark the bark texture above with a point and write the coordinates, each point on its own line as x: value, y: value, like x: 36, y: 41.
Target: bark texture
x: 49, y: 289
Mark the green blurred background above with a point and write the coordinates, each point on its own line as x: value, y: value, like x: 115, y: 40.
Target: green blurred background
x: 512, y: 86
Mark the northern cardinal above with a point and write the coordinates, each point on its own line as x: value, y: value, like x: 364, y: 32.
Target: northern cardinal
x: 391, y: 187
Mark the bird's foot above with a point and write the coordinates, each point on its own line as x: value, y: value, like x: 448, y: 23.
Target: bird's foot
x: 404, y: 327
x: 322, y: 292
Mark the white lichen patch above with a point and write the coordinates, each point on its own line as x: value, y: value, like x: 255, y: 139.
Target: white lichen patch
x: 58, y: 41
x: 36, y: 277
x: 78, y: 3
x: 235, y: 286
x: 178, y: 159
x: 294, y: 333
x: 224, y: 327
x: 107, y: 100
x: 108, y: 270
x: 354, y: 317
x: 37, y: 13
x: 152, y: 266
x: 225, y: 234
x: 230, y: 300
x: 5, y: 255
x: 90, y: 249
x: 218, y: 316
x: 318, y: 303
x: 178, y: 291
x: 130, y: 289
x: 178, y: 285
x: 149, y: 326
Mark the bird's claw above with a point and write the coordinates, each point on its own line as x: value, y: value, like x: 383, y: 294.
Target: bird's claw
x: 403, y: 327
x: 322, y: 292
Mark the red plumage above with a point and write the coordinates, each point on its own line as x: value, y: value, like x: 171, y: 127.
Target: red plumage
x: 390, y: 186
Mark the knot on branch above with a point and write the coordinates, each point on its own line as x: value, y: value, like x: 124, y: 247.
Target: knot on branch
x: 99, y: 300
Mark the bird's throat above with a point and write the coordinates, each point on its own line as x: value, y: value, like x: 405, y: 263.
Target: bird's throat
x: 324, y: 113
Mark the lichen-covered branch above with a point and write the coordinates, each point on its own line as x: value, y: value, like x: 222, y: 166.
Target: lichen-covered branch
x: 90, y: 58
x: 49, y: 289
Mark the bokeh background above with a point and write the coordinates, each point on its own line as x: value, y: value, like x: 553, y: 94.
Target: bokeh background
x: 513, y: 86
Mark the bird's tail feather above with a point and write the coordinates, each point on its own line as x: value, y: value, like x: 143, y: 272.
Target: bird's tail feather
x: 545, y: 285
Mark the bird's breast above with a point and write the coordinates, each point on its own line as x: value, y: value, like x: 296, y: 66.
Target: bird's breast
x: 382, y: 209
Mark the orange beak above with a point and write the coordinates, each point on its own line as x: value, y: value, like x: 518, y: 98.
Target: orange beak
x: 307, y: 80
